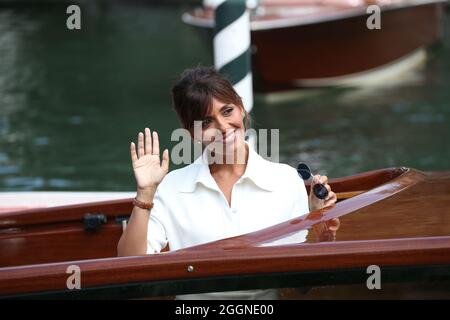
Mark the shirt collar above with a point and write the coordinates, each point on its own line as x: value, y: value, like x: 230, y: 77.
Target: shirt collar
x: 257, y: 171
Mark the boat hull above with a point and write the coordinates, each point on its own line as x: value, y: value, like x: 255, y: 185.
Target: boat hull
x: 295, y: 57
x: 336, y: 51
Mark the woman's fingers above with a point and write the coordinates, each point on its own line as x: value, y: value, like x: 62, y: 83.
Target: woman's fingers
x: 165, y: 161
x: 155, y: 150
x: 134, y: 156
x: 148, y: 141
x: 141, y: 151
x: 146, y: 145
x: 315, y: 179
x: 331, y: 194
x: 320, y: 179
x: 331, y: 199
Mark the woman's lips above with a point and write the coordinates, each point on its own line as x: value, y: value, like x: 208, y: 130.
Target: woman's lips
x: 228, y: 138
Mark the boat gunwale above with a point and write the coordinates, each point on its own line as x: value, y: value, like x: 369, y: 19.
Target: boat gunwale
x: 280, y: 23
x: 123, y: 207
x: 340, y: 255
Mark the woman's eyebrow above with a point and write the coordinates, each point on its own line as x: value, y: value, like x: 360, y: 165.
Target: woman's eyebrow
x: 225, y: 106
x: 221, y: 109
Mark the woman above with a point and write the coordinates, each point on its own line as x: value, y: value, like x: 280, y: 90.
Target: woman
x: 214, y: 197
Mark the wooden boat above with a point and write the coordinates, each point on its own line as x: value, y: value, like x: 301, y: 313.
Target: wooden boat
x: 396, y: 218
x: 314, y: 43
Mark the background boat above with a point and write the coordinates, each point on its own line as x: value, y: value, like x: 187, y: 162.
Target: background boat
x: 327, y: 43
x: 395, y: 218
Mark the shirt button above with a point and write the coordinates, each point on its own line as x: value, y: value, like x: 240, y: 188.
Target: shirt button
x: 234, y: 210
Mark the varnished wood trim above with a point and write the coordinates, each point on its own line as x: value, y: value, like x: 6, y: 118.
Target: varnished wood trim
x: 348, y: 195
x: 112, y: 208
x: 208, y: 263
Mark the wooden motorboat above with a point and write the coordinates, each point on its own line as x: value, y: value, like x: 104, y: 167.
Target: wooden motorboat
x: 396, y: 218
x: 314, y: 43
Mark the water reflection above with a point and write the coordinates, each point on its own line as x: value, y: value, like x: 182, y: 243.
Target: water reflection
x: 294, y: 238
x: 324, y: 230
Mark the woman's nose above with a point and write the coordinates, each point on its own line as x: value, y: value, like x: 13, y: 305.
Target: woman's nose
x: 222, y: 125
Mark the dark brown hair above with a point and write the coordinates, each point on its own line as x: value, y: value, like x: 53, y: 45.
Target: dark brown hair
x: 193, y: 93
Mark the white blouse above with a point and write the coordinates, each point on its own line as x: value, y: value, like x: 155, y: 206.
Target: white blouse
x: 190, y: 209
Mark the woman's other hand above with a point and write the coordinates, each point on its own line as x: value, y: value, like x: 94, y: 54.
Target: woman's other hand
x: 149, y: 171
x: 316, y: 203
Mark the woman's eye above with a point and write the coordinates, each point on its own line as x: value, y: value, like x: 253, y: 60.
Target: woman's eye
x: 228, y: 111
x: 206, y: 123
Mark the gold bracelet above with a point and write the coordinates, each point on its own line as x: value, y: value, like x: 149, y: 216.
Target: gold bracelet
x: 142, y: 205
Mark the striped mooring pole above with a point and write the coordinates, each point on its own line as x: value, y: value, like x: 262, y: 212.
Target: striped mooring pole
x: 232, y: 46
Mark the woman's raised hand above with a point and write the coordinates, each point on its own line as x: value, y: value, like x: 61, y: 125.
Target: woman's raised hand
x: 149, y: 171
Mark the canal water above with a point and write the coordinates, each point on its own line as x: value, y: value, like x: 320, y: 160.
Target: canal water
x: 71, y: 101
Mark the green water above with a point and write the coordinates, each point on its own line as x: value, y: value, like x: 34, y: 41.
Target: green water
x: 71, y: 101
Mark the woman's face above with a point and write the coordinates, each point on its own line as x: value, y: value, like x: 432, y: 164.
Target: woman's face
x: 223, y: 129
